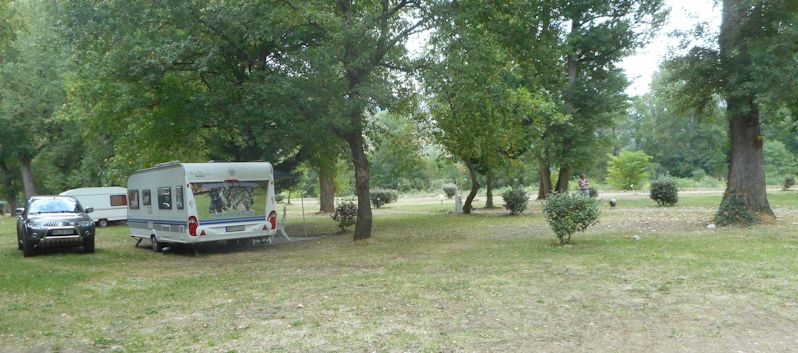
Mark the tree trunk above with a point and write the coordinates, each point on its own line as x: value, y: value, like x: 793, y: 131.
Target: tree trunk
x: 545, y: 180
x: 563, y: 178
x: 12, y: 204
x: 326, y: 188
x: 8, y: 187
x: 474, y: 188
x: 27, y: 177
x: 746, y: 170
x: 489, y: 190
x: 573, y: 70
x: 364, y: 218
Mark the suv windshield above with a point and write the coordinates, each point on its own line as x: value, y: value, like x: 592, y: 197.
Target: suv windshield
x: 57, y: 205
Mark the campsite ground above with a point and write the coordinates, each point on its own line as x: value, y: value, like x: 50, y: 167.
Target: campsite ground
x: 428, y: 280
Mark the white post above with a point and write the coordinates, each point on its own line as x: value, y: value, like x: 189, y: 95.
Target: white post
x: 281, y: 227
x: 304, y: 224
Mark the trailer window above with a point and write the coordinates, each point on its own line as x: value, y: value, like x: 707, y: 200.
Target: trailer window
x: 133, y: 195
x: 118, y: 200
x: 179, y: 197
x: 165, y: 198
x: 230, y: 199
x: 145, y: 198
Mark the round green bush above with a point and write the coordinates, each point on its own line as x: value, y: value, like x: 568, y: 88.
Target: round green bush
x: 789, y: 182
x: 516, y: 200
x: 569, y: 213
x: 450, y: 190
x: 382, y: 197
x: 345, y: 214
x: 664, y: 191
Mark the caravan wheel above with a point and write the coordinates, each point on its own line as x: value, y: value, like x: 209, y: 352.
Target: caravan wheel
x: 156, y: 245
x: 103, y: 223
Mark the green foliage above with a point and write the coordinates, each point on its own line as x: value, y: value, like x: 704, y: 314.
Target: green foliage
x: 593, y: 93
x: 345, y: 214
x: 683, y: 142
x: 664, y: 191
x: 779, y: 162
x: 752, y: 57
x: 381, y: 197
x: 279, y: 197
x: 398, y: 161
x: 450, y: 190
x: 568, y: 213
x: 732, y: 211
x: 628, y: 170
x: 516, y: 199
x: 33, y: 64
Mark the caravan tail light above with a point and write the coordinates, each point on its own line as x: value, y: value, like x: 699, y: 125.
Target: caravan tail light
x: 273, y: 219
x: 192, y: 226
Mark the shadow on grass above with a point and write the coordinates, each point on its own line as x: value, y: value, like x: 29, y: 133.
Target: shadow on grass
x: 231, y: 246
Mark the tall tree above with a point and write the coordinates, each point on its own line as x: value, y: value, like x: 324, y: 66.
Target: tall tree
x: 365, y: 39
x: 572, y: 49
x: 215, y: 74
x: 600, y: 34
x: 479, y: 111
x: 31, y: 85
x: 752, y: 69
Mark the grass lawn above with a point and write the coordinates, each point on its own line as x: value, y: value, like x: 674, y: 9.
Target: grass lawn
x: 427, y: 281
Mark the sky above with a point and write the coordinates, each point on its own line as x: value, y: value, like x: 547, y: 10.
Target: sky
x: 641, y: 66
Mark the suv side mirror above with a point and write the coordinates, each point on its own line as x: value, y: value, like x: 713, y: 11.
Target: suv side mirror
x: 89, y: 210
x: 20, y: 211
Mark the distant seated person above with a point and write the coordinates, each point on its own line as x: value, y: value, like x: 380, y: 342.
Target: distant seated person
x: 584, y: 185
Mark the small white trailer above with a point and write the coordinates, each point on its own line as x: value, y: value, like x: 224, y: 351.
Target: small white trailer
x: 192, y: 203
x: 109, y: 203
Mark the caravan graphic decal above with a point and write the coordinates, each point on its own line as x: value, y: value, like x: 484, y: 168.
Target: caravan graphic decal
x: 226, y: 200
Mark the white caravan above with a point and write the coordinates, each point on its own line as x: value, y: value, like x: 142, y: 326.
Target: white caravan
x: 109, y: 203
x: 192, y: 203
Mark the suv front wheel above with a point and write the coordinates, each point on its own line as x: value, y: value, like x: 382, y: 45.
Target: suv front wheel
x: 27, y: 247
x: 88, y: 245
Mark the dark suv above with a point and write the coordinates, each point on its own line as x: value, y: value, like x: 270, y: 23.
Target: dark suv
x: 50, y: 221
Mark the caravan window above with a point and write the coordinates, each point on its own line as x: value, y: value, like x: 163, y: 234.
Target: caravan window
x: 165, y: 198
x: 230, y: 199
x: 145, y: 198
x: 133, y: 195
x: 118, y: 200
x: 179, y: 197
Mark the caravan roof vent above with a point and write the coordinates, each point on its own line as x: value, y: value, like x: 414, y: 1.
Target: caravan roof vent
x: 166, y: 163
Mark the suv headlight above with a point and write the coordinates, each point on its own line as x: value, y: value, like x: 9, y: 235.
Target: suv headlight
x: 85, y: 223
x: 35, y: 223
